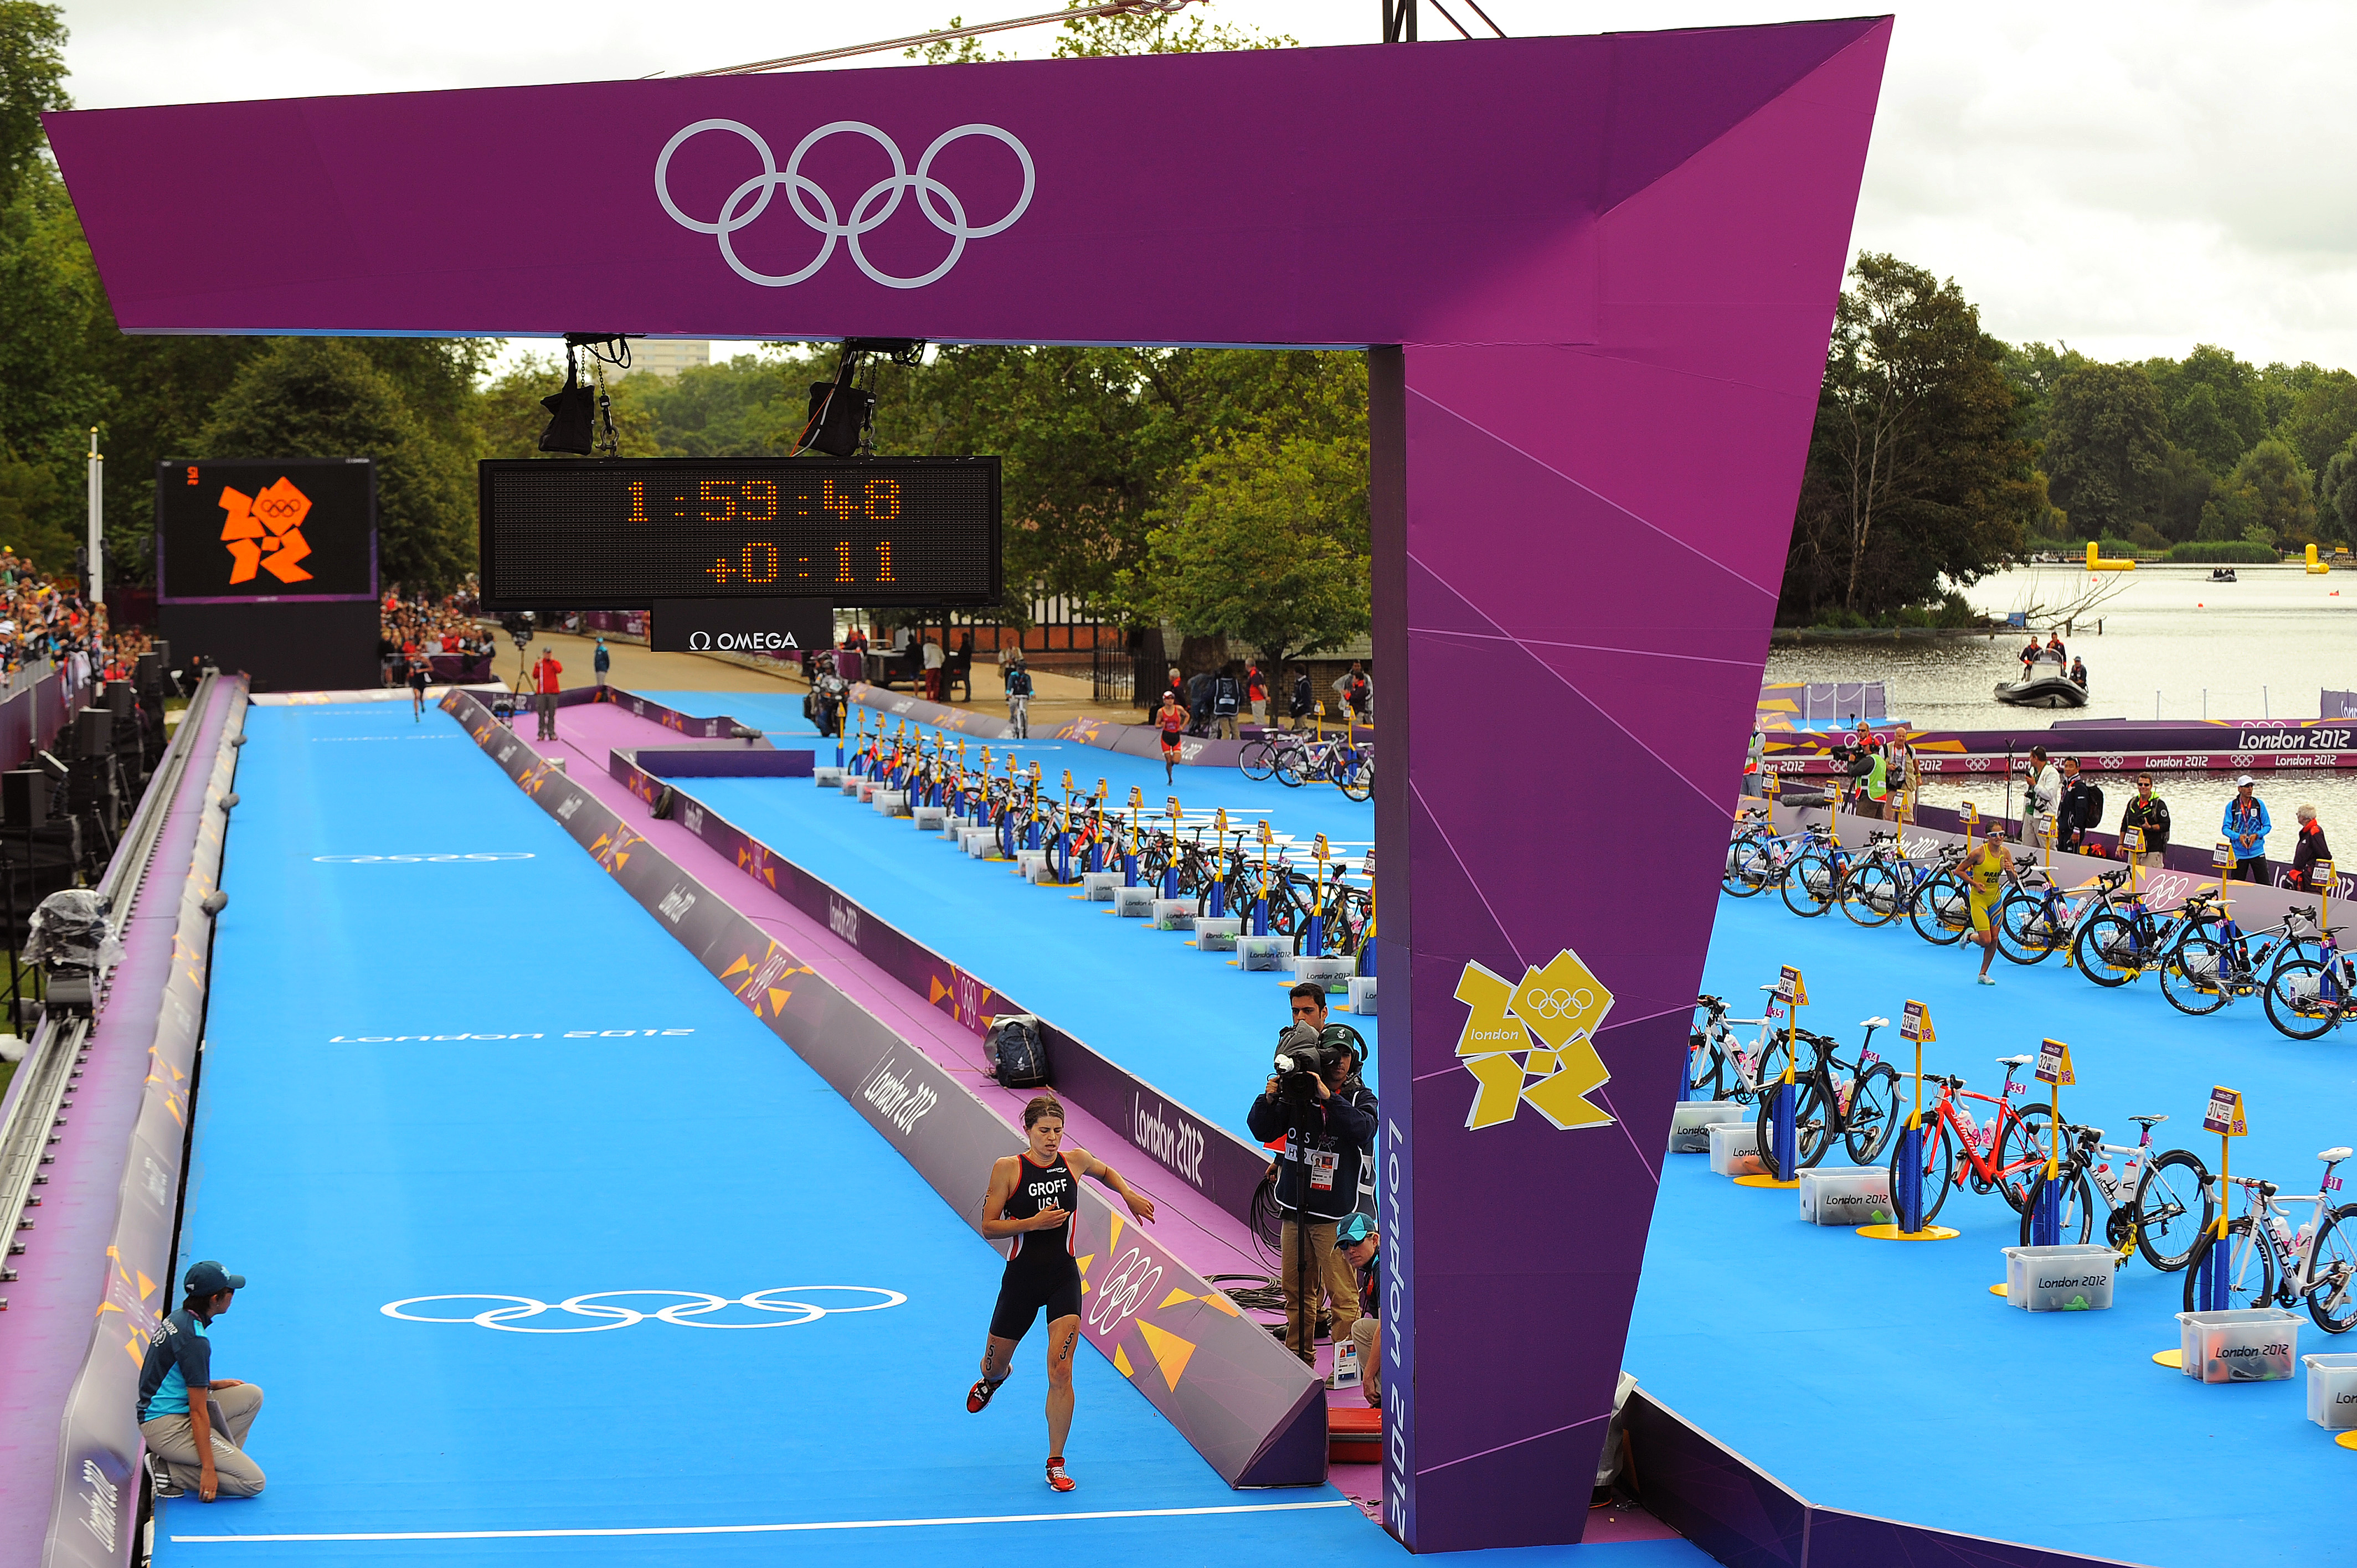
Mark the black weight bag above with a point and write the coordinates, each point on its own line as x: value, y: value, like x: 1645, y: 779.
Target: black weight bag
x: 1017, y: 1051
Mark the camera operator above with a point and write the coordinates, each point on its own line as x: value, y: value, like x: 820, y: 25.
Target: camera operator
x: 1328, y: 1118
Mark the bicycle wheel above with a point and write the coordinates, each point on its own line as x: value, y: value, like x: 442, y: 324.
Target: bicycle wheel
x: 2194, y: 978
x: 1939, y: 1170
x: 1940, y: 911
x: 2107, y: 950
x: 1706, y: 1066
x: 1869, y: 894
x: 2172, y: 1210
x: 1357, y: 780
x: 1809, y: 884
x: 1257, y: 761
x: 1810, y: 1128
x: 1009, y: 834
x: 2021, y: 1152
x: 2296, y: 999
x: 2025, y: 932
x: 2332, y: 1299
x: 1735, y: 876
x: 1059, y: 858
x: 1291, y: 766
x: 2250, y: 1267
x: 2078, y: 1206
x: 1873, y: 1115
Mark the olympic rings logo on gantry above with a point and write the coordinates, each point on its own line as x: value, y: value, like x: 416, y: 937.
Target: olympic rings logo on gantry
x: 782, y: 1304
x: 875, y: 207
x: 1562, y: 1002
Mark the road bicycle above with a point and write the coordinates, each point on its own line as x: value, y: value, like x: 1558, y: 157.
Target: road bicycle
x: 1859, y: 1111
x: 2122, y: 939
x: 2270, y: 1264
x: 1939, y: 906
x: 1720, y: 1067
x: 2155, y: 1204
x: 2307, y: 997
x: 1757, y: 856
x: 2006, y: 1154
x: 1352, y: 769
x: 2214, y: 965
x: 1818, y: 873
x: 1882, y: 883
x: 2035, y: 919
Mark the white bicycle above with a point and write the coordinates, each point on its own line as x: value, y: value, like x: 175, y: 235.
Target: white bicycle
x: 2270, y: 1264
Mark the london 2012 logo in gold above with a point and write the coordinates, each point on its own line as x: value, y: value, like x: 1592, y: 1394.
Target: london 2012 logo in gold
x: 1534, y: 1043
x: 265, y: 530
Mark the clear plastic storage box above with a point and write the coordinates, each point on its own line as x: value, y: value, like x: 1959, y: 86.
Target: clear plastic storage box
x: 1690, y: 1123
x: 1845, y: 1195
x: 2332, y: 1389
x: 1735, y: 1149
x: 2247, y: 1344
x: 2076, y: 1277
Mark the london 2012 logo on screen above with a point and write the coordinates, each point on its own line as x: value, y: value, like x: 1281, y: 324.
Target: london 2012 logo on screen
x: 248, y: 529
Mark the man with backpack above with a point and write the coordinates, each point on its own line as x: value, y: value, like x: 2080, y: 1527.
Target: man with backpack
x: 1227, y: 701
x: 1303, y: 704
x: 1018, y: 697
x: 2081, y: 812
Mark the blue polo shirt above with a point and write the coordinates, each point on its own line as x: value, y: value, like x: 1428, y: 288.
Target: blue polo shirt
x: 179, y: 1357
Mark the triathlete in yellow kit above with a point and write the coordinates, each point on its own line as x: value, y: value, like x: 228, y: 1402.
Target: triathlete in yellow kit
x: 1985, y: 871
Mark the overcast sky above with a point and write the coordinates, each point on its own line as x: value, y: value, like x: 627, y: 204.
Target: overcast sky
x: 2131, y: 180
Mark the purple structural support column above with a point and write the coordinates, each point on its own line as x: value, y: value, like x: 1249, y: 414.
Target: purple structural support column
x: 1579, y: 547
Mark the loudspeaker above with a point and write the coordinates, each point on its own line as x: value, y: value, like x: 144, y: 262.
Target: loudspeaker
x: 93, y: 733
x: 147, y: 674
x: 23, y: 799
x: 118, y: 699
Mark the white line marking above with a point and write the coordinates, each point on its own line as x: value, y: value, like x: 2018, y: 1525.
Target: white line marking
x: 777, y: 1529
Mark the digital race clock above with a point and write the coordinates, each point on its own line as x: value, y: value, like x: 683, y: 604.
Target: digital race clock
x: 564, y: 534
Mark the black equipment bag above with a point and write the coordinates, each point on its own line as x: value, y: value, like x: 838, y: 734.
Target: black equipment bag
x: 1016, y: 1051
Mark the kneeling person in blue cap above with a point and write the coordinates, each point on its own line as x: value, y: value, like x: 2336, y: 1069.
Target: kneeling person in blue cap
x: 196, y: 1424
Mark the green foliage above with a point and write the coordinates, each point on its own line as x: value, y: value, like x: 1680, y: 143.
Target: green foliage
x: 2223, y: 551
x: 328, y: 397
x: 2217, y: 405
x: 2322, y: 420
x: 32, y: 81
x: 2266, y: 500
x: 2336, y: 490
x: 2106, y: 448
x: 28, y: 514
x: 1919, y: 476
x: 1266, y: 546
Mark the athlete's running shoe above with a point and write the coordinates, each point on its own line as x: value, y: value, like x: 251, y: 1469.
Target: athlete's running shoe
x: 1056, y: 1477
x: 1986, y: 980
x: 979, y: 1395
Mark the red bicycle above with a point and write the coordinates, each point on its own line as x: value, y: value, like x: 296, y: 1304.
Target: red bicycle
x: 2007, y: 1152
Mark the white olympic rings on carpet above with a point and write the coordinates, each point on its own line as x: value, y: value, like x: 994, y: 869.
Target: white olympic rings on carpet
x: 875, y: 206
x: 686, y: 1312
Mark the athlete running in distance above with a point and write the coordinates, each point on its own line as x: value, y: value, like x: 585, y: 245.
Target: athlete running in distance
x: 1032, y: 1196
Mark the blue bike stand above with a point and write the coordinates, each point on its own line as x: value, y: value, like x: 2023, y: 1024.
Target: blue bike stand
x: 2046, y: 1221
x: 1219, y: 899
x: 1786, y: 1134
x: 1260, y: 917
x: 1032, y: 836
x: 1096, y: 857
x: 1129, y: 871
x: 1170, y: 882
x: 1907, y: 1193
x: 1367, y: 955
x: 2210, y: 1283
x: 1313, y: 945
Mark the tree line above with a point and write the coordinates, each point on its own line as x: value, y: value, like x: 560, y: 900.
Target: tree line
x: 1939, y: 454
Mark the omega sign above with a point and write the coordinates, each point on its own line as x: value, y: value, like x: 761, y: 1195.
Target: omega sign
x: 774, y: 627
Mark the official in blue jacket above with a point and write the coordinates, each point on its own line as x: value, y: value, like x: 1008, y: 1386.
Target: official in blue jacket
x: 2246, y: 827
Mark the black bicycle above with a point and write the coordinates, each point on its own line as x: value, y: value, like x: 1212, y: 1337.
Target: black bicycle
x: 1859, y: 1110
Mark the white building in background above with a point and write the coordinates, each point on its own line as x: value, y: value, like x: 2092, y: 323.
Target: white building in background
x: 664, y: 356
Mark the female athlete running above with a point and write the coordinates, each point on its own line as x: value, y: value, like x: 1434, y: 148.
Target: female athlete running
x: 1031, y: 1199
x: 1985, y: 871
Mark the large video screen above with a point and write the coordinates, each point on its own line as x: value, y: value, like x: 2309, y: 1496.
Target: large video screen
x: 625, y: 533
x: 257, y: 529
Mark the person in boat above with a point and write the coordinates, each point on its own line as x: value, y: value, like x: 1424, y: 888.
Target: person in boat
x: 2029, y: 655
x: 2079, y: 673
x: 2055, y: 646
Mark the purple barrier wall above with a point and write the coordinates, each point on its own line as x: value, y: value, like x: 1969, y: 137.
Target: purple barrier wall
x: 757, y: 759
x: 1198, y: 1152
x: 1610, y: 265
x: 1255, y: 1414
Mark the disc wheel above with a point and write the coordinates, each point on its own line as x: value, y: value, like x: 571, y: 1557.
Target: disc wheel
x: 2172, y: 1211
x: 2107, y: 950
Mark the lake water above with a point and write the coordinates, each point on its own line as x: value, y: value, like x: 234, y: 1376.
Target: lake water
x: 2173, y: 645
